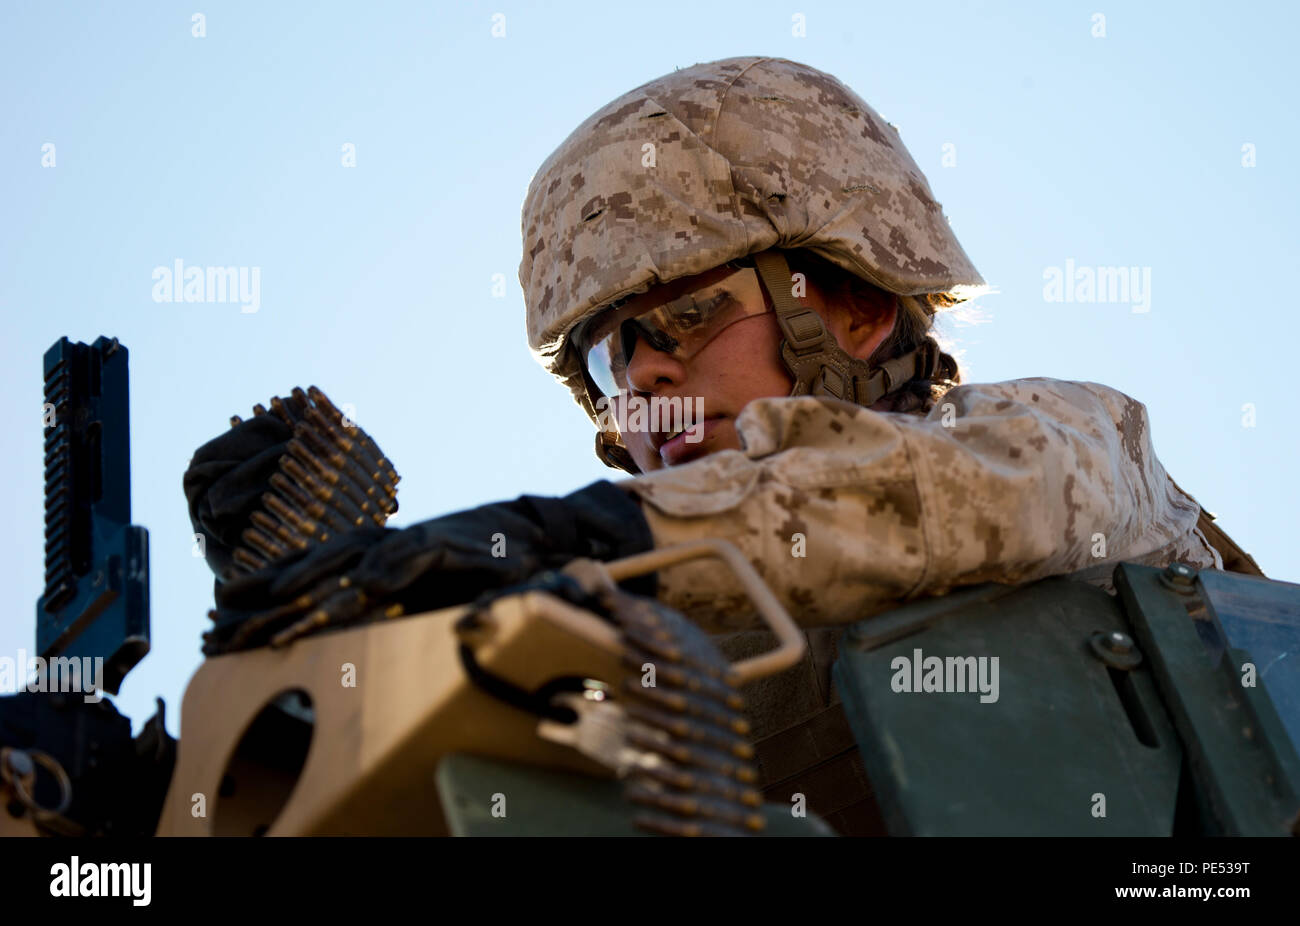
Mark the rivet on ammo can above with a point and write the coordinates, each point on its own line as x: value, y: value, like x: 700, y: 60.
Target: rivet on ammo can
x: 1118, y: 642
x: 1116, y: 649
x: 1180, y: 577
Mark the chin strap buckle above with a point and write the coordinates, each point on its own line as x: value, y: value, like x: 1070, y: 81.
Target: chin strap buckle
x: 803, y: 330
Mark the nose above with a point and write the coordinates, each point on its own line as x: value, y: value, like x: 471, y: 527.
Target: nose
x: 651, y: 369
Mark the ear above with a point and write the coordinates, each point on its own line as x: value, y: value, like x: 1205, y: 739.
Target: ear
x: 862, y: 328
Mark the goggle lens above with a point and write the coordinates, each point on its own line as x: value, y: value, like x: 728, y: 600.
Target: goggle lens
x: 681, y: 327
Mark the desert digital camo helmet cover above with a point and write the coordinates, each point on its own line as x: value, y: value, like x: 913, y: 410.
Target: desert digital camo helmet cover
x: 712, y: 163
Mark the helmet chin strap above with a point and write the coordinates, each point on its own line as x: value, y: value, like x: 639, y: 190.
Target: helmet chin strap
x: 615, y: 455
x: 817, y: 362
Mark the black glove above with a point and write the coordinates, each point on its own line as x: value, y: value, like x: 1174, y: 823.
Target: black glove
x: 225, y: 482
x: 445, y: 561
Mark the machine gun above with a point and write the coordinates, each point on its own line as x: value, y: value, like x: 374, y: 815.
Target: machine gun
x: 67, y: 759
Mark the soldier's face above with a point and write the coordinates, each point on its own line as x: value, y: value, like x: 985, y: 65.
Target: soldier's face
x: 740, y: 364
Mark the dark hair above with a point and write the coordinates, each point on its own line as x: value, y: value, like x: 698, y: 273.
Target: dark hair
x: 913, y: 324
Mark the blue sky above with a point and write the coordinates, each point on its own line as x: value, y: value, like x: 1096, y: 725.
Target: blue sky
x: 377, y: 281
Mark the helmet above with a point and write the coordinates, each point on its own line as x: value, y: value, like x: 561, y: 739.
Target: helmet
x: 716, y: 162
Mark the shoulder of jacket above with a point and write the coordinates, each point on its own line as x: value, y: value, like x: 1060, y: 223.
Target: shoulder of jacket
x: 1047, y: 395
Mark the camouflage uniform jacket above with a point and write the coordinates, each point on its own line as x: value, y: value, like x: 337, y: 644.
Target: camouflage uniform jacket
x: 848, y: 512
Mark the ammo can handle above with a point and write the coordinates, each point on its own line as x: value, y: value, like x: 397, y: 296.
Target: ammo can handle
x: 791, y: 643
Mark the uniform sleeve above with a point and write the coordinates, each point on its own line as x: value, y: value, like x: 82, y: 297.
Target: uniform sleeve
x: 847, y: 512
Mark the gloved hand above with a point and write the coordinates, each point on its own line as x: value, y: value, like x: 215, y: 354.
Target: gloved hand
x: 445, y: 561
x: 225, y: 482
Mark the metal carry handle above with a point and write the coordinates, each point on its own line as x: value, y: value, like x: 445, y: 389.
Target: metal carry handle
x: 791, y: 644
x: 18, y: 771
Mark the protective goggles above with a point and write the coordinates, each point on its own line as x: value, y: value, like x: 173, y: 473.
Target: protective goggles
x: 681, y: 328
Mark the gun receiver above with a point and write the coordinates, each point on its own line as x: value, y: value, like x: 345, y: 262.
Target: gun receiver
x: 96, y: 600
